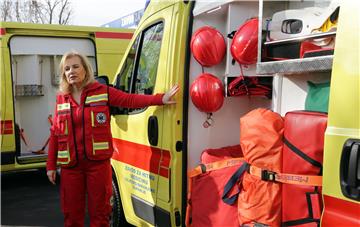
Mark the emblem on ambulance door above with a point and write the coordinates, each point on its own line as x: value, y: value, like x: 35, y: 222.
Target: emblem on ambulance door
x: 100, y: 118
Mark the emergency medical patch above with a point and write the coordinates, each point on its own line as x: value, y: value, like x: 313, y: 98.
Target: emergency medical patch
x: 100, y: 118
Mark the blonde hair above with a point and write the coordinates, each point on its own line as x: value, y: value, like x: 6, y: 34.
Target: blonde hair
x: 65, y: 87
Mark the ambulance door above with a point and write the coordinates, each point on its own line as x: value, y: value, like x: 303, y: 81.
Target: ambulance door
x: 7, y: 132
x: 341, y: 184
x: 144, y: 139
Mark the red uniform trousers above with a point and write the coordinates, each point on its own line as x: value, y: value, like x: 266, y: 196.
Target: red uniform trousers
x: 91, y: 179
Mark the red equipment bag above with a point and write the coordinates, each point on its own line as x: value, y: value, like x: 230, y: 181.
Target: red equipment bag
x: 259, y: 201
x: 218, y: 154
x: 261, y: 133
x: 302, y: 155
x: 205, y: 186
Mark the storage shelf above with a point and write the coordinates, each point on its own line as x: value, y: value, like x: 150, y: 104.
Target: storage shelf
x: 29, y: 90
x: 302, y: 38
x: 296, y: 66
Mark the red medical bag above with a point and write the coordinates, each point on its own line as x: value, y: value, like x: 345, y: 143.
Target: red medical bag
x: 218, y: 154
x: 302, y: 155
x: 205, y: 187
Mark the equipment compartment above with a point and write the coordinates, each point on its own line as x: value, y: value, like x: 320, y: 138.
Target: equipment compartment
x: 287, y: 27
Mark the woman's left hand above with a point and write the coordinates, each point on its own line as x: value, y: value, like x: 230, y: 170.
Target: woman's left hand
x: 167, y: 98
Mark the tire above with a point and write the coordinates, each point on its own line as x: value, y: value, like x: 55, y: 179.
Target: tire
x: 117, y: 218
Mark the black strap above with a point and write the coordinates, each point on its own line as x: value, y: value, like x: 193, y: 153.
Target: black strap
x: 301, y: 222
x: 309, y: 203
x: 302, y: 154
x: 310, y: 218
x: 232, y: 182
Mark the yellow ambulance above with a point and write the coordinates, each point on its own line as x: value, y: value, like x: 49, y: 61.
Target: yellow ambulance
x: 29, y: 58
x: 155, y: 147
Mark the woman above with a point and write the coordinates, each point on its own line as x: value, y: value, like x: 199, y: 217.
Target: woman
x: 81, y: 139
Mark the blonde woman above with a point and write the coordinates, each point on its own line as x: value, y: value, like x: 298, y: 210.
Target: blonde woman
x: 82, y: 126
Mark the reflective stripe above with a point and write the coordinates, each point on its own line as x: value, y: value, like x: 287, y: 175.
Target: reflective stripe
x: 100, y: 146
x: 66, y: 128
x: 63, y: 155
x: 96, y: 98
x: 92, y: 119
x: 64, y: 106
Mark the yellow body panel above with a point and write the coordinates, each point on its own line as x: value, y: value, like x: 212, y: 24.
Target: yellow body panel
x: 344, y: 104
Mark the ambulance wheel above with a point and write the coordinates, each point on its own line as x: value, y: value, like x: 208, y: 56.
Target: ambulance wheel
x: 117, y: 218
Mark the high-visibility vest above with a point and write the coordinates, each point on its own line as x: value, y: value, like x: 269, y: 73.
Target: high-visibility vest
x: 96, y: 127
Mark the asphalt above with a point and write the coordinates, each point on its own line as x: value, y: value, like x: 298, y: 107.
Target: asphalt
x: 29, y: 199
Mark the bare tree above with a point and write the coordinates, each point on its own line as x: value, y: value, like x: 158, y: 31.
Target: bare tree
x: 29, y: 11
x: 5, y: 8
x: 36, y: 11
x: 50, y: 6
x: 65, y: 12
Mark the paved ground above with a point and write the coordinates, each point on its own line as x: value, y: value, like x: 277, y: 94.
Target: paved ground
x: 28, y: 199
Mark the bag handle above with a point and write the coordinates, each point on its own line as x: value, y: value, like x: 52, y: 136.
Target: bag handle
x: 232, y: 182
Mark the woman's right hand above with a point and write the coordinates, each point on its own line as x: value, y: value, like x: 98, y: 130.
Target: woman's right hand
x: 51, y: 174
x: 168, y: 96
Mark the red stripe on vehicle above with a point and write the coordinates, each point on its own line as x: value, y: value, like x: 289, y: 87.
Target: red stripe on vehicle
x: 165, y: 161
x: 164, y: 172
x: 6, y: 127
x: 141, y: 156
x: 113, y: 35
x: 2, y: 31
x: 7, y: 131
x: 339, y: 212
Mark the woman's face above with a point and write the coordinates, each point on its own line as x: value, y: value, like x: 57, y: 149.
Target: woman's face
x: 74, y: 71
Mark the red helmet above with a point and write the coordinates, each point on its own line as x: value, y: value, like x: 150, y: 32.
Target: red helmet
x: 244, y: 45
x: 208, y: 46
x: 207, y: 93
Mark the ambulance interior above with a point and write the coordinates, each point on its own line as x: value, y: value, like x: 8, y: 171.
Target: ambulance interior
x: 35, y: 74
x: 289, y: 84
x: 295, y: 42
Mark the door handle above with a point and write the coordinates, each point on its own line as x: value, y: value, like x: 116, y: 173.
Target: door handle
x: 153, y: 130
x: 350, y: 169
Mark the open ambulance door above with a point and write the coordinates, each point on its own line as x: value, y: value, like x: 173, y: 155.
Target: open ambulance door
x: 30, y: 56
x: 7, y: 135
x: 147, y: 159
x: 341, y: 184
x: 30, y: 83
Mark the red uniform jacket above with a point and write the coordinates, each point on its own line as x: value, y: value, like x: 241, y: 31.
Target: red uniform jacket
x: 84, y: 129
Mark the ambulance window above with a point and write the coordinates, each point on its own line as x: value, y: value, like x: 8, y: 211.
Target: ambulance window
x: 148, y: 60
x: 123, y: 80
x: 139, y: 71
